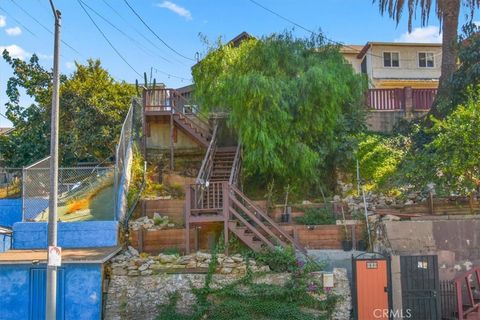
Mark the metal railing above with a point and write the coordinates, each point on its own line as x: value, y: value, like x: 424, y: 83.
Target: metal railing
x: 423, y: 98
x: 207, y: 163
x: 236, y: 167
x: 130, y: 138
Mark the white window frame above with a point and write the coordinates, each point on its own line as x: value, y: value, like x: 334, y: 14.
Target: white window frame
x: 426, y: 61
x: 383, y: 59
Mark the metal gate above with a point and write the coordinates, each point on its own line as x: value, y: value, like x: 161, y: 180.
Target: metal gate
x: 38, y: 289
x: 371, y: 286
x: 420, y: 286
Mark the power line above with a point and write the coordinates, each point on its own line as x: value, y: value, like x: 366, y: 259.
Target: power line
x: 133, y: 27
x: 144, y: 49
x: 308, y: 30
x: 43, y: 26
x: 18, y: 22
x: 80, y: 2
x: 155, y: 34
x: 170, y: 75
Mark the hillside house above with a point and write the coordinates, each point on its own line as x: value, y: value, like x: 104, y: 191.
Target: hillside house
x: 403, y: 79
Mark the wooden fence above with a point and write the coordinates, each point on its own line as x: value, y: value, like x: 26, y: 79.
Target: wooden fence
x: 311, y: 237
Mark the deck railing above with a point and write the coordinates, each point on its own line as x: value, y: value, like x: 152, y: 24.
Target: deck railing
x: 386, y: 99
x: 423, y: 98
x: 401, y: 99
x: 467, y: 299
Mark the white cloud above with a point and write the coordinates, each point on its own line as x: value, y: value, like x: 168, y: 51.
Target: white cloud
x: 15, y: 31
x: 3, y: 21
x: 44, y: 56
x: 70, y: 65
x: 477, y: 23
x: 425, y: 35
x: 181, y: 11
x: 15, y: 51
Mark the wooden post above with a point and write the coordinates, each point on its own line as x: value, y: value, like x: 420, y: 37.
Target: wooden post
x: 408, y: 96
x: 141, y: 236
x: 144, y: 124
x: 188, y: 204
x: 196, y: 239
x: 430, y: 203
x: 171, y: 138
x: 226, y: 218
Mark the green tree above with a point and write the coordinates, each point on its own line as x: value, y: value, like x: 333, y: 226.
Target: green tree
x: 456, y: 148
x: 448, y: 12
x: 92, y: 108
x: 294, y: 103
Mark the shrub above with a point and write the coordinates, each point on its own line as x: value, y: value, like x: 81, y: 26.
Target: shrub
x: 316, y: 216
x: 279, y: 260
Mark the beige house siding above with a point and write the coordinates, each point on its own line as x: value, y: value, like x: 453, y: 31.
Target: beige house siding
x: 159, y: 137
x: 407, y: 74
x: 409, y: 68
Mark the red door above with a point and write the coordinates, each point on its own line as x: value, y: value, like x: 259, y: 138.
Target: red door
x: 371, y: 279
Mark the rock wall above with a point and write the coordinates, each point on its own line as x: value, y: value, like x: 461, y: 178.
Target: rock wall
x: 138, y: 297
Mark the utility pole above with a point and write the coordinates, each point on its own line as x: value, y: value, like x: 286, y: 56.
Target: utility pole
x: 54, y: 256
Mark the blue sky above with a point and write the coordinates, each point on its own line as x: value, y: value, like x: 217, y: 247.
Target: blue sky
x: 179, y: 23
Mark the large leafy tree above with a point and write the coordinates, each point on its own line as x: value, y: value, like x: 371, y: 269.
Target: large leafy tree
x: 295, y: 104
x: 92, y: 108
x: 447, y: 11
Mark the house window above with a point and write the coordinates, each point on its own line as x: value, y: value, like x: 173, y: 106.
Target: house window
x: 363, y: 66
x: 426, y: 60
x: 391, y: 59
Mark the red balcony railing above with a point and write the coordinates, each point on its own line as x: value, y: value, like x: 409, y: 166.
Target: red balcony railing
x: 401, y: 99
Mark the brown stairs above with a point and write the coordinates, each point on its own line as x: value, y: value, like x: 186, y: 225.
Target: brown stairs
x: 215, y: 197
x: 162, y: 102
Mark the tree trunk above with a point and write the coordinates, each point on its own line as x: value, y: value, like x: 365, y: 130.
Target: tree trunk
x: 450, y: 16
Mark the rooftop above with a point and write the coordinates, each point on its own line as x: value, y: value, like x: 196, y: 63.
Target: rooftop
x: 82, y: 255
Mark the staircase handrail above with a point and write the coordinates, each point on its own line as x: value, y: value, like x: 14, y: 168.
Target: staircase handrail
x: 268, y: 219
x: 251, y: 228
x: 252, y: 215
x: 197, y: 114
x: 459, y: 281
x: 207, y: 162
x: 236, y: 167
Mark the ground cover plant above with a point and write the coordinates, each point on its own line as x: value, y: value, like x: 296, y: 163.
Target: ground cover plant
x: 301, y: 297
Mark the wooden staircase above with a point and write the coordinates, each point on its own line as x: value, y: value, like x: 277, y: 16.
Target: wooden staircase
x: 161, y: 102
x: 199, y: 132
x: 216, y: 198
x: 222, y: 164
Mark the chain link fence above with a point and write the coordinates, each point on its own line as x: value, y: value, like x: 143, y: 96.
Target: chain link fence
x: 84, y: 193
x: 10, y: 183
x: 130, y: 138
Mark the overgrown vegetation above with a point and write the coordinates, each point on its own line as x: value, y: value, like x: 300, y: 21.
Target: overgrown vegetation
x: 301, y: 297
x: 440, y: 153
x: 316, y: 216
x: 300, y: 105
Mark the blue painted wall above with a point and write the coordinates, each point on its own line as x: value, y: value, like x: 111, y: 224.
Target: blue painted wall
x: 87, y: 234
x: 10, y: 212
x: 82, y: 291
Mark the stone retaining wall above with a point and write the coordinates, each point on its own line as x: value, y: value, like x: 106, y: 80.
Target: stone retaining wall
x: 138, y: 297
